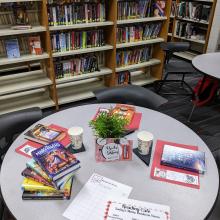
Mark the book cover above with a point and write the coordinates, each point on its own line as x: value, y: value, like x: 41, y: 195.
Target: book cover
x: 171, y: 174
x: 44, y: 135
x: 159, y: 8
x: 33, y: 165
x: 65, y: 193
x: 26, y: 148
x: 187, y: 159
x: 35, y: 45
x: 32, y: 185
x: 55, y: 160
x: 20, y: 14
x: 12, y: 48
x: 30, y: 174
x: 113, y: 149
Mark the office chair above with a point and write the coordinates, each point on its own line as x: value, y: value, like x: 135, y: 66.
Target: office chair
x: 177, y: 67
x: 130, y: 94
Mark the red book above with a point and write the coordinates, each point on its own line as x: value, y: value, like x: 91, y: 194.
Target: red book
x: 171, y: 174
x: 26, y: 148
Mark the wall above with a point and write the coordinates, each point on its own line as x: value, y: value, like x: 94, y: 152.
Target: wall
x: 214, y: 39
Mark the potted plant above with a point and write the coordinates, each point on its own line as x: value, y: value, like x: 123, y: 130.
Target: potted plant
x: 109, y: 129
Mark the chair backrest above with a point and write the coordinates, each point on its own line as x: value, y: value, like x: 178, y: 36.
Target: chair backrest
x: 130, y: 94
x: 16, y: 122
x: 172, y: 47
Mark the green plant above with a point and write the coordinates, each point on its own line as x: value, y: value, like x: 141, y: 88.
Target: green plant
x: 108, y: 125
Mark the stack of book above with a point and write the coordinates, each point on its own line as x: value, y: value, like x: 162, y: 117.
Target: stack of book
x: 49, y: 175
x: 73, y: 40
x: 15, y: 47
x: 138, y: 32
x: 140, y: 9
x: 189, y: 30
x: 74, y: 12
x: 128, y: 57
x: 78, y: 65
x: 193, y: 10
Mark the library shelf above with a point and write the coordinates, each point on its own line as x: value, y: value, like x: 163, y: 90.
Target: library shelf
x: 186, y: 55
x: 143, y: 81
x: 7, y: 1
x: 23, y: 81
x: 189, y: 39
x: 9, y: 31
x: 151, y: 62
x: 75, y: 91
x: 103, y: 71
x: 82, y: 51
x: 27, y: 99
x: 141, y: 20
x: 139, y: 43
x: 23, y: 58
x: 19, y: 67
x: 193, y: 20
x: 81, y: 26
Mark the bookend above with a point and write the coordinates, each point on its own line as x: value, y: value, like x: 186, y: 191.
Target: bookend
x: 75, y: 151
x: 144, y: 158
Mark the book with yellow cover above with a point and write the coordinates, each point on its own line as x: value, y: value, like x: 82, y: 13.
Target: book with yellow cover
x: 65, y: 193
x: 31, y: 185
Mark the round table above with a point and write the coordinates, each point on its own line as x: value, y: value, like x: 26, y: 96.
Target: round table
x: 208, y: 63
x: 185, y: 203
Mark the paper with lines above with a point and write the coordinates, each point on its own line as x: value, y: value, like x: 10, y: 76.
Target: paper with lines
x: 90, y: 202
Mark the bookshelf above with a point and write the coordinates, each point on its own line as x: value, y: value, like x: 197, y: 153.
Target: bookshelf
x: 35, y: 80
x: 203, y: 26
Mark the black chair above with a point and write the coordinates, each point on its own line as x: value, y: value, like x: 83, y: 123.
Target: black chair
x: 175, y: 66
x: 14, y: 123
x: 130, y: 94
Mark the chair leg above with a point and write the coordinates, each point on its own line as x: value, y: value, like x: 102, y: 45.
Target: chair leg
x: 182, y: 81
x: 161, y: 83
x: 191, y: 113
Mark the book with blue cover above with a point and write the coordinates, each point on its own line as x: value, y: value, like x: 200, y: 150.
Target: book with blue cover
x: 56, y: 160
x: 12, y: 48
x: 183, y: 158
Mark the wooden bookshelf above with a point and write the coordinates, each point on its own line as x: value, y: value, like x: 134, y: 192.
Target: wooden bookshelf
x: 34, y: 83
x: 197, y: 46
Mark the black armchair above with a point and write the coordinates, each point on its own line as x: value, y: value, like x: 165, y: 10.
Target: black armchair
x: 14, y: 123
x: 177, y: 67
x: 130, y: 94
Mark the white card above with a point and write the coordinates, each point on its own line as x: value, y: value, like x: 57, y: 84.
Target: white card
x: 91, y: 200
x: 176, y: 176
x: 129, y: 209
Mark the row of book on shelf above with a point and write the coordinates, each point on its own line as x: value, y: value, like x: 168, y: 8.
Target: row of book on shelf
x: 72, y: 40
x: 138, y: 32
x: 140, y: 9
x: 191, y: 10
x: 126, y: 57
x: 61, y: 13
x: 14, y: 47
x: 78, y: 65
x: 189, y: 30
x: 20, y: 15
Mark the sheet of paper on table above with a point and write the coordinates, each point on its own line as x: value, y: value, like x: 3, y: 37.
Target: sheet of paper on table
x: 129, y: 209
x: 91, y: 200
